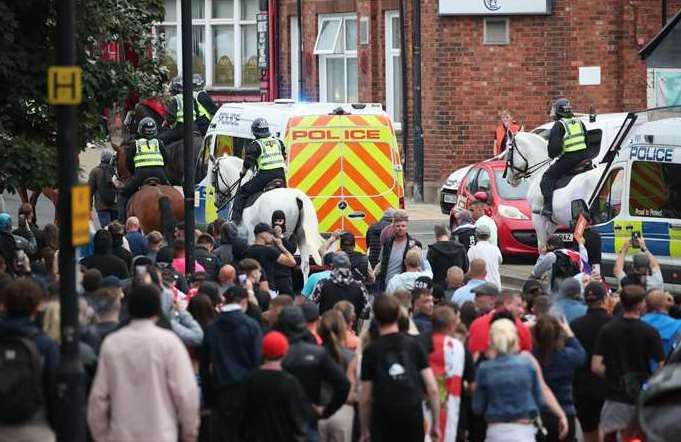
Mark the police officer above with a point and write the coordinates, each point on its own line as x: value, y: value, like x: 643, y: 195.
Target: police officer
x: 145, y: 159
x: 567, y: 140
x: 204, y: 109
x: 268, y: 154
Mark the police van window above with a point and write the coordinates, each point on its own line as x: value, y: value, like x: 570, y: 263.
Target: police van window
x: 224, y: 145
x: 202, y: 161
x: 609, y: 202
x: 471, y: 185
x: 655, y: 190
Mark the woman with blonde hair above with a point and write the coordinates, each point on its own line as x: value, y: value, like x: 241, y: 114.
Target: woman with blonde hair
x: 508, y: 389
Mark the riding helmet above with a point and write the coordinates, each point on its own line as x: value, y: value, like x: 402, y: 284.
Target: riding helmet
x: 197, y: 82
x: 561, y: 109
x: 176, y: 86
x: 147, y: 128
x: 260, y: 128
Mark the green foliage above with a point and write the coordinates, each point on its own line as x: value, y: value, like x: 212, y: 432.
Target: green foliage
x: 27, y: 49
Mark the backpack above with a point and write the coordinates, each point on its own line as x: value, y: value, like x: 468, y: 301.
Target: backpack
x: 564, y: 267
x: 105, y: 186
x: 397, y: 382
x: 20, y: 378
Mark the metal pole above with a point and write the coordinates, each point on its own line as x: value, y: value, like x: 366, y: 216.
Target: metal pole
x: 299, y: 11
x: 188, y: 111
x: 70, y: 376
x: 405, y: 88
x: 418, y: 130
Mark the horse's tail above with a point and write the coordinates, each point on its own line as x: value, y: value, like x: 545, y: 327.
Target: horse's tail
x: 307, y: 230
x: 167, y: 217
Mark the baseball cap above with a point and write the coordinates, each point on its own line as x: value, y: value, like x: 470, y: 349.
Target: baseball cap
x: 262, y: 228
x: 110, y: 281
x: 486, y: 289
x: 569, y: 288
x: 274, y: 345
x: 594, y: 291
x: 423, y: 282
x: 482, y: 230
x: 347, y: 239
x: 341, y: 260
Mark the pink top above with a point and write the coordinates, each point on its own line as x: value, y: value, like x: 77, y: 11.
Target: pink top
x: 145, y: 388
x: 179, y: 263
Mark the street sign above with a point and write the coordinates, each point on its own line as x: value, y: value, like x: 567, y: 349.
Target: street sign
x: 64, y: 85
x: 263, y: 56
x: 80, y: 214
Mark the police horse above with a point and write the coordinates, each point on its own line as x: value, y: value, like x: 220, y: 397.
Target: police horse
x: 298, y: 208
x: 527, y: 158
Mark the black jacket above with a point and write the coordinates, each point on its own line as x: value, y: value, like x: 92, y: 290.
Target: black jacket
x: 210, y: 262
x: 341, y: 286
x: 465, y: 235
x: 444, y: 254
x: 373, y: 237
x: 385, y: 257
x: 107, y: 263
x: 232, y: 348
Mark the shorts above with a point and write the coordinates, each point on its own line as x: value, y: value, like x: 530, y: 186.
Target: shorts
x: 618, y: 416
x: 588, y: 412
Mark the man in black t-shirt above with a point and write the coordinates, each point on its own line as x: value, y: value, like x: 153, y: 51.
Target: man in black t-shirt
x: 622, y: 355
x: 589, y: 390
x: 394, y: 369
x: 268, y: 255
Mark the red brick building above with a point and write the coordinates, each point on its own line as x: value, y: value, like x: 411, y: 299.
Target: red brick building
x: 472, y: 66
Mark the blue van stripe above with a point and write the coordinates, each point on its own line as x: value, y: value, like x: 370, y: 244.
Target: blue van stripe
x: 655, y: 228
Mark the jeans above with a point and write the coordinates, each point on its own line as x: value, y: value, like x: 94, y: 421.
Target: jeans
x: 106, y: 216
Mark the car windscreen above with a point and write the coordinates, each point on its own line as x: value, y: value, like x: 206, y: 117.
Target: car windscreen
x: 508, y: 192
x: 655, y: 190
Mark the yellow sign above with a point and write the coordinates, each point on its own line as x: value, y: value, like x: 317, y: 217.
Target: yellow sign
x: 80, y: 215
x: 64, y: 85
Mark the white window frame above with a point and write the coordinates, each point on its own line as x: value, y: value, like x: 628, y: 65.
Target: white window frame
x: 390, y: 106
x: 507, y: 24
x: 207, y: 23
x: 345, y: 54
x: 295, y: 58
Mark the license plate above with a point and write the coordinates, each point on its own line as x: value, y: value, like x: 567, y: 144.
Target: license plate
x: 448, y: 198
x: 566, y: 237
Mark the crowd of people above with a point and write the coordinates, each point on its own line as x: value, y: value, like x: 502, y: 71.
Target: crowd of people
x: 398, y: 344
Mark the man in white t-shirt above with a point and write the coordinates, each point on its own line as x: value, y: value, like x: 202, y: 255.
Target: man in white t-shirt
x: 645, y: 267
x: 489, y: 253
x: 478, y: 208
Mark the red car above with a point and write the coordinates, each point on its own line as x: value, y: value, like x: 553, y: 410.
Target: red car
x: 507, y: 206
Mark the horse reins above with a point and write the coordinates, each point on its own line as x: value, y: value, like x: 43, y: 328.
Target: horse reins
x: 227, y: 194
x: 528, y: 170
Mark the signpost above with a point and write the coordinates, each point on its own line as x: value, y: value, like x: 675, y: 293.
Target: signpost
x: 188, y: 109
x: 64, y: 91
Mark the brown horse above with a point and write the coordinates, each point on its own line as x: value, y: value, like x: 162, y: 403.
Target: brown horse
x: 158, y: 207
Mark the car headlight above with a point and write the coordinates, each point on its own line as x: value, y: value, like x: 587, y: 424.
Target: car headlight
x: 511, y: 212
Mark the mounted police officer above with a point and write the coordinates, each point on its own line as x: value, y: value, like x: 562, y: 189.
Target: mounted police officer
x: 204, y: 109
x: 268, y: 154
x: 567, y: 141
x: 146, y: 158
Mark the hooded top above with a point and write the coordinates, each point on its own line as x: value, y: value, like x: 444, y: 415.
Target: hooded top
x: 444, y: 254
x: 341, y: 286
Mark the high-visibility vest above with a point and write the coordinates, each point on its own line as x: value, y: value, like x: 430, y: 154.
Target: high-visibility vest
x: 179, y: 116
x: 270, y: 154
x: 574, y: 139
x: 147, y: 153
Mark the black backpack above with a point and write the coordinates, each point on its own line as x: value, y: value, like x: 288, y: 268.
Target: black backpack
x: 397, y: 383
x: 564, y: 267
x: 105, y: 186
x: 20, y: 378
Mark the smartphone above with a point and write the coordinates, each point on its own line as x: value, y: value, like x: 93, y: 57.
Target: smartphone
x: 634, y: 240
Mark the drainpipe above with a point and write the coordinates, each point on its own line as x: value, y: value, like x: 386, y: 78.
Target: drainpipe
x: 405, y: 88
x: 299, y: 11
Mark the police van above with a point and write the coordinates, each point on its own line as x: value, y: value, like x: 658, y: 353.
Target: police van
x: 640, y: 194
x: 345, y: 157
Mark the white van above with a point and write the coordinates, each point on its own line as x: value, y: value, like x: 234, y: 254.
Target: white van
x: 641, y: 194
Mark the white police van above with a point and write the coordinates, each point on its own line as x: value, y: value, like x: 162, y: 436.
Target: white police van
x: 641, y: 195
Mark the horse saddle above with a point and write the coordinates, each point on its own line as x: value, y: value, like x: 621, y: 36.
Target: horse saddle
x: 276, y: 183
x: 583, y: 166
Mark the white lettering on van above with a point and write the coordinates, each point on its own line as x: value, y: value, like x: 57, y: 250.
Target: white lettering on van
x: 662, y: 154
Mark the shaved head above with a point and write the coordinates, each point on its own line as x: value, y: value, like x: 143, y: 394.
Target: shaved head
x: 227, y: 274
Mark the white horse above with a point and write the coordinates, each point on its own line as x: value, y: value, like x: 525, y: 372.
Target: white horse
x: 301, y: 217
x: 529, y: 159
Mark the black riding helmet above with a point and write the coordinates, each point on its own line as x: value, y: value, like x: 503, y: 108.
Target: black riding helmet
x: 147, y: 128
x: 176, y: 86
x: 561, y: 109
x: 260, y: 128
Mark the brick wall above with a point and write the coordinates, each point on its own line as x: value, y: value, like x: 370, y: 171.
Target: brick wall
x: 466, y: 83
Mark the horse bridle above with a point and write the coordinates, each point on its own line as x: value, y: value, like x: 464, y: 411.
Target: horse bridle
x: 227, y: 195
x: 528, y: 170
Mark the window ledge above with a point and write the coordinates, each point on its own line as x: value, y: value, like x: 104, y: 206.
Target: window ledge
x: 232, y: 89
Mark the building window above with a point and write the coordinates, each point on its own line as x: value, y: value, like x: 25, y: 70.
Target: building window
x: 336, y: 47
x: 496, y: 31
x: 224, y: 41
x: 393, y: 67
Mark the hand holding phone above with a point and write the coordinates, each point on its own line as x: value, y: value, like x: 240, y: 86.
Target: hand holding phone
x: 635, y: 243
